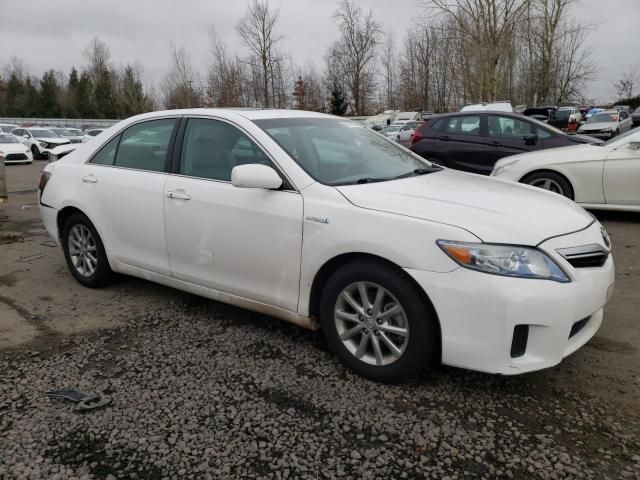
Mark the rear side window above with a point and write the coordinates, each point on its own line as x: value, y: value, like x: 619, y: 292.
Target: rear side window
x: 107, y: 154
x: 144, y: 146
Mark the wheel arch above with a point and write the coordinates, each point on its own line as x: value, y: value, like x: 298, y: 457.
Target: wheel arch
x: 564, y: 175
x: 333, y: 264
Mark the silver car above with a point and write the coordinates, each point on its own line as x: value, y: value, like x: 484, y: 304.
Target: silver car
x: 607, y: 124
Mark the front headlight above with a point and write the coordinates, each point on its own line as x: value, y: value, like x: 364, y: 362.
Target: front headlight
x: 506, y: 260
x: 503, y: 167
x: 43, y: 144
x: 608, y: 129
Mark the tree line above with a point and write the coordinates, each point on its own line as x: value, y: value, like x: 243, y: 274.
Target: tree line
x: 456, y: 52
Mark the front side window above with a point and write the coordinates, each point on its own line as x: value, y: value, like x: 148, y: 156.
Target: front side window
x: 340, y: 152
x: 212, y: 148
x: 144, y: 146
x: 508, y: 127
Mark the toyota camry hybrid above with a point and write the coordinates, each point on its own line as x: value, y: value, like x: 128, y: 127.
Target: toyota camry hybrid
x: 322, y: 222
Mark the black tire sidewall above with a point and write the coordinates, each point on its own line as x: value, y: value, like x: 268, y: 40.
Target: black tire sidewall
x: 567, y: 190
x: 35, y: 152
x: 424, y: 336
x: 103, y: 273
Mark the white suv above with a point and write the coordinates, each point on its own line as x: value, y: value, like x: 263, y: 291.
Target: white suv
x: 39, y: 140
x: 322, y: 222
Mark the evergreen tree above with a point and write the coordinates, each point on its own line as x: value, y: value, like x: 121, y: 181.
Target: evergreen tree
x: 31, y: 99
x: 72, y: 101
x: 338, y: 100
x: 132, y: 97
x: 84, y: 97
x: 48, y: 105
x: 15, y: 96
x: 300, y: 94
x: 104, y: 95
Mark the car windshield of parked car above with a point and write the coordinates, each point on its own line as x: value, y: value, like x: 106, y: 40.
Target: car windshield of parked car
x: 44, y: 134
x: 8, y: 139
x: 602, y: 117
x: 340, y: 152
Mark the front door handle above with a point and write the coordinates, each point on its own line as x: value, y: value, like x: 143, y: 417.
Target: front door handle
x: 89, y: 179
x: 495, y: 144
x: 178, y: 195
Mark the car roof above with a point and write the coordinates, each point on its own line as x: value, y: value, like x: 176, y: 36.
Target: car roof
x: 250, y: 114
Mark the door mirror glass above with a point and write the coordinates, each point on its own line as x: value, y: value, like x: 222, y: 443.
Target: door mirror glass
x: 254, y: 175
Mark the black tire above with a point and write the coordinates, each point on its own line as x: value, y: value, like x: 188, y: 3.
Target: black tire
x: 102, y: 275
x: 423, y: 343
x: 35, y: 152
x: 560, y: 183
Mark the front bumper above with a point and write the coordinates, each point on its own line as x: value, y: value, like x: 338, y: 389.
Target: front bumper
x: 479, y: 312
x: 18, y: 158
x: 601, y: 135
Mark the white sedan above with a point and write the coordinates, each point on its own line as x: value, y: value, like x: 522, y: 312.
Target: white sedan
x: 13, y: 150
x: 605, y: 177
x: 322, y: 222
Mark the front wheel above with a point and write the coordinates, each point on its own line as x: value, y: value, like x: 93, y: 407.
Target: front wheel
x: 377, y: 322
x: 35, y: 152
x: 84, y: 252
x: 550, y: 181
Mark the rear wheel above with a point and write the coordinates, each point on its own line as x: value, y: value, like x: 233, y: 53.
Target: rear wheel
x: 377, y: 323
x: 84, y: 252
x: 550, y: 181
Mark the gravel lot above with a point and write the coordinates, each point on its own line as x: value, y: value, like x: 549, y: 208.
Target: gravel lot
x: 205, y: 390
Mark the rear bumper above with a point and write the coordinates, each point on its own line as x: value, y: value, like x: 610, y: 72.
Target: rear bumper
x: 49, y: 217
x: 479, y: 313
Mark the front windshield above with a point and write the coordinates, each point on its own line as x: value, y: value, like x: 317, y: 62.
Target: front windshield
x: 602, y: 117
x: 8, y: 139
x: 340, y: 152
x: 623, y: 138
x: 44, y: 134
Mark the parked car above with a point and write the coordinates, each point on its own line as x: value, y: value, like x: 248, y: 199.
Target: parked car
x: 92, y: 132
x: 542, y: 113
x: 75, y: 135
x: 623, y: 108
x: 593, y: 111
x: 324, y: 223
x: 483, y: 107
x: 392, y: 130
x: 7, y: 127
x: 13, y: 149
x: 40, y: 141
x: 635, y: 117
x: 63, y: 150
x: 407, y: 131
x: 607, y: 124
x: 566, y: 117
x: 474, y: 142
x: 601, y: 177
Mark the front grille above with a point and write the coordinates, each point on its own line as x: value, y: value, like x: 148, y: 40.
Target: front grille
x: 585, y: 256
x: 579, y: 325
x: 15, y: 156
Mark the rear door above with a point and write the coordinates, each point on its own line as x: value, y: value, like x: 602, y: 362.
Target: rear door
x: 461, y: 144
x: 506, y: 136
x: 122, y: 187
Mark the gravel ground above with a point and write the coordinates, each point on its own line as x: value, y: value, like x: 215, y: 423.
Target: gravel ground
x: 197, y: 395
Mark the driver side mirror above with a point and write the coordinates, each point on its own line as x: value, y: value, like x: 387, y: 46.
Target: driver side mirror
x: 255, y: 175
x: 634, y: 146
x: 26, y: 135
x: 530, y: 139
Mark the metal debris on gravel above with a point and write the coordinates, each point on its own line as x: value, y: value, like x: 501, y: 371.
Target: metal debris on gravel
x: 237, y: 395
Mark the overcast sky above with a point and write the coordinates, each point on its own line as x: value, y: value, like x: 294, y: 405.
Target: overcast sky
x: 52, y: 33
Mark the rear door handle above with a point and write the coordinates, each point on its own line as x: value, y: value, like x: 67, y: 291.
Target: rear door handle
x: 179, y: 195
x: 89, y: 179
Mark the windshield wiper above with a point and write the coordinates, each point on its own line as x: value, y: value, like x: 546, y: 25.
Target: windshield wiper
x: 370, y: 180
x: 417, y: 171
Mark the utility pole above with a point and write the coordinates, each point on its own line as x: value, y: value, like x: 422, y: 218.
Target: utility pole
x: 3, y: 181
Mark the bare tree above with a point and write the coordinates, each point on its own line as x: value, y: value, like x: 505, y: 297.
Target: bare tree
x: 389, y: 71
x: 257, y: 31
x: 624, y: 88
x: 181, y: 86
x: 355, y: 51
x: 226, y: 80
x: 98, y: 55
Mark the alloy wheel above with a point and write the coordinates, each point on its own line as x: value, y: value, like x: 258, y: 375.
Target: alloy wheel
x: 371, y: 323
x: 547, y: 184
x: 83, y: 250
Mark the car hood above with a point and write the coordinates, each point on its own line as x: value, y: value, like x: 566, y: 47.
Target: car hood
x: 69, y: 147
x: 597, y: 126
x: 53, y: 141
x: 581, y: 152
x: 13, y: 148
x: 586, y: 139
x: 494, y: 210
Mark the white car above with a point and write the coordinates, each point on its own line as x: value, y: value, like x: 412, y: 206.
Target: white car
x: 13, y: 150
x: 605, y: 177
x: 607, y: 124
x: 74, y: 135
x: 63, y: 150
x: 406, y: 132
x: 322, y: 222
x: 7, y: 127
x: 40, y: 141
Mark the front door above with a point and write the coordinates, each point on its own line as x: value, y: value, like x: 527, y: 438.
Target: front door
x: 506, y: 136
x: 242, y: 241
x: 621, y: 179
